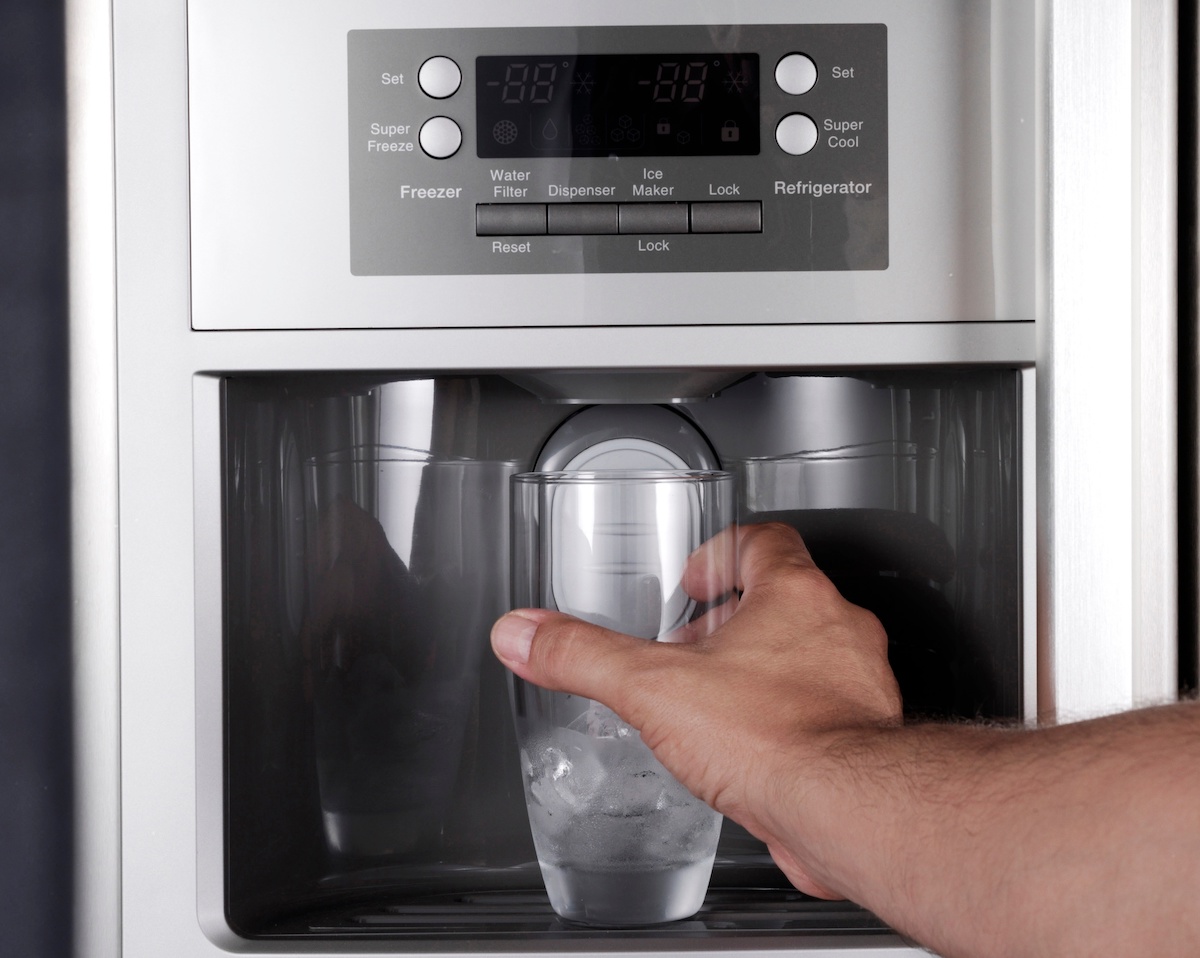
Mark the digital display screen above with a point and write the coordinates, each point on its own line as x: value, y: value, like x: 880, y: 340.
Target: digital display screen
x: 701, y: 104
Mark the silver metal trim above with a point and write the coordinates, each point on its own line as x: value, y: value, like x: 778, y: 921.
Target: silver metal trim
x: 1030, y: 669
x: 1085, y: 386
x: 94, y: 503
x: 210, y: 712
x: 1106, y: 601
x: 857, y: 346
x: 1156, y: 233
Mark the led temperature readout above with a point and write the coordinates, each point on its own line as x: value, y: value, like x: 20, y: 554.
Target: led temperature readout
x: 607, y: 104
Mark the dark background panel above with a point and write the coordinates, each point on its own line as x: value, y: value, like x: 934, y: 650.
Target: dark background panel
x: 35, y: 716
x: 1189, y: 350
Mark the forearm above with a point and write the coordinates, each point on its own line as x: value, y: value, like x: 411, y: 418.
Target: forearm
x: 1082, y: 839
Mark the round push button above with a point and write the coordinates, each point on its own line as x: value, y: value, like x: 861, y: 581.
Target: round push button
x: 795, y: 74
x: 440, y: 137
x: 796, y: 134
x: 439, y: 77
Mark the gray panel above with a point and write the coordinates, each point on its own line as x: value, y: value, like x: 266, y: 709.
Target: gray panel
x: 824, y: 210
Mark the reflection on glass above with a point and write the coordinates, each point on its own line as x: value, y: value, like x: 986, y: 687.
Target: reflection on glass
x: 406, y: 574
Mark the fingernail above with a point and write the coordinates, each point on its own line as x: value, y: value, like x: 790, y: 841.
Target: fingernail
x: 512, y: 637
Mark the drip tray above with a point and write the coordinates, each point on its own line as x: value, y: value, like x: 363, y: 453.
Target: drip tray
x: 515, y: 913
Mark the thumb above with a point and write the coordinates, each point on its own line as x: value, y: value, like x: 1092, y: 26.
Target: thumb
x: 562, y: 653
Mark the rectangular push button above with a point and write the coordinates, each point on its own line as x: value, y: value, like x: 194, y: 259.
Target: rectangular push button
x: 727, y: 217
x: 510, y: 219
x: 653, y: 217
x: 578, y: 219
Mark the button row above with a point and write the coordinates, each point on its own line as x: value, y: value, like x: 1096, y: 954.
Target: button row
x: 440, y: 137
x: 440, y: 77
x: 575, y: 219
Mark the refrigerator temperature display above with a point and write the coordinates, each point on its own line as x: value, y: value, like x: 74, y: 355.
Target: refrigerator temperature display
x: 687, y: 104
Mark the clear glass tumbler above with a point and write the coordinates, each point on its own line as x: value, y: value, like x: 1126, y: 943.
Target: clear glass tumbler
x: 407, y: 570
x: 619, y: 840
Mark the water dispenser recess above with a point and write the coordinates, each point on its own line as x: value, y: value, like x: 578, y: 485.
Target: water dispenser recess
x: 372, y: 774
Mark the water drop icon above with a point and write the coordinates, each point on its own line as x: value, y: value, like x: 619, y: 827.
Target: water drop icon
x: 549, y: 131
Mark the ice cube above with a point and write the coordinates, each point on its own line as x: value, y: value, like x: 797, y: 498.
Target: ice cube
x: 547, y: 814
x: 642, y: 791
x: 599, y: 721
x: 568, y: 773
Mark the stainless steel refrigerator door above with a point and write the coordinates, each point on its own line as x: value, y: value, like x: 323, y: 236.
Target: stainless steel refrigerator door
x: 144, y: 791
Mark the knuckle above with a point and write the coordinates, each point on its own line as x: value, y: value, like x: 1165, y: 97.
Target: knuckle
x: 823, y: 590
x: 557, y: 644
x: 871, y: 629
x: 777, y: 530
x: 803, y: 582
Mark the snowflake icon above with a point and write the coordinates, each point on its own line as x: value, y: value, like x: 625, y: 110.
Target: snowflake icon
x: 736, y: 82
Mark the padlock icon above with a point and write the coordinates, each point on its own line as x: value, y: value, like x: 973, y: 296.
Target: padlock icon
x: 730, y: 132
x: 664, y: 128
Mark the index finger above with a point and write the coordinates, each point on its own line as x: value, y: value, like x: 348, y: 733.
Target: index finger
x: 711, y: 571
x: 730, y: 561
x: 768, y: 548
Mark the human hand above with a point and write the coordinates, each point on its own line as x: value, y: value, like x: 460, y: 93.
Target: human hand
x: 740, y: 714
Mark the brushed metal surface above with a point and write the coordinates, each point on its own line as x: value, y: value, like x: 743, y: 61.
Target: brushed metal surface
x: 1156, y: 171
x: 1085, y: 378
x: 95, y: 553
x: 1106, y: 358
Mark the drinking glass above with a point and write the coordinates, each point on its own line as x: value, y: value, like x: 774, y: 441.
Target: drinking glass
x: 618, y: 839
x: 873, y: 475
x: 408, y: 569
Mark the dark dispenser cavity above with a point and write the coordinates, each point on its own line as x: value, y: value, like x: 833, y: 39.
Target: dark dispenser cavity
x: 371, y: 770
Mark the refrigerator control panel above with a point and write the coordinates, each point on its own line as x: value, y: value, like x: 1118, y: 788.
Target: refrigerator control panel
x: 607, y: 149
